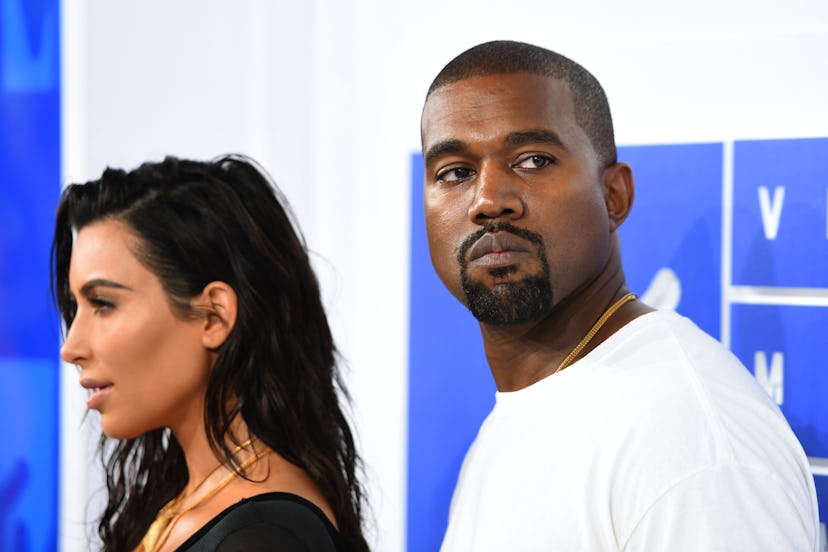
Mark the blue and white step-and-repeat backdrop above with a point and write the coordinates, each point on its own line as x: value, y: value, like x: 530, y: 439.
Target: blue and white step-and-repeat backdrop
x: 29, y: 334
x: 733, y: 235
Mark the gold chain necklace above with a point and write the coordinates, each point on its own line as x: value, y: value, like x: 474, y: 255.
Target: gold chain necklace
x: 594, y: 330
x: 168, y: 516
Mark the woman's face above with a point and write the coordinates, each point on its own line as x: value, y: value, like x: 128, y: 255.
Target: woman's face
x: 145, y: 367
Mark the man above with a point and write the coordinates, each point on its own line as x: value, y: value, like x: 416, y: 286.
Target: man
x: 616, y: 427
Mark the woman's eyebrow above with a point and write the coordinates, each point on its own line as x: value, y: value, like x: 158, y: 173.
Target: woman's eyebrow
x: 101, y: 282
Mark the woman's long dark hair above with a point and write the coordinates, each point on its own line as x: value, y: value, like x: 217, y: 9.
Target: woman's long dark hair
x: 224, y: 220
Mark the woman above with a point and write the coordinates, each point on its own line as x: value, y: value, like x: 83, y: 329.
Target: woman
x: 195, y: 319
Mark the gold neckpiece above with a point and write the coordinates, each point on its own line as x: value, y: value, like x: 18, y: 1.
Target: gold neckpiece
x: 168, y: 516
x: 594, y: 330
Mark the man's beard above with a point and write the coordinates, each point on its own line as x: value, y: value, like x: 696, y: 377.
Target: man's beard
x: 507, y: 303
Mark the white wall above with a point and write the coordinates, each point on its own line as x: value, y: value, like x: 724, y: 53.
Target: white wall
x: 327, y: 95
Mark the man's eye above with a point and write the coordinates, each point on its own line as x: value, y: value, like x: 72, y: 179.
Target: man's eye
x: 454, y: 175
x: 535, y: 162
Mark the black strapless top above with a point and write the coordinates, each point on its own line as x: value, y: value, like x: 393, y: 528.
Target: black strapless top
x: 267, y: 522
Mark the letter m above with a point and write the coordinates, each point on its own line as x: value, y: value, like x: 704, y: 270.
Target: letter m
x: 772, y: 378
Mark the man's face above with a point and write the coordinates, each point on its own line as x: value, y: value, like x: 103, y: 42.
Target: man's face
x: 514, y: 204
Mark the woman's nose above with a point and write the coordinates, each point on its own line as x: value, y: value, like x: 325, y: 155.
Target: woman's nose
x: 75, y: 349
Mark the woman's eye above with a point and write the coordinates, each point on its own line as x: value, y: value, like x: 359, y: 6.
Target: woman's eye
x: 454, y: 175
x: 534, y: 162
x: 99, y: 304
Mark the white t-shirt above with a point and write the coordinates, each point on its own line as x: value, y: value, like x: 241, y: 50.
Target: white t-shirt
x: 658, y: 439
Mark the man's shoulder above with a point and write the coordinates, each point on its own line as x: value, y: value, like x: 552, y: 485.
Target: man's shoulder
x: 665, y: 351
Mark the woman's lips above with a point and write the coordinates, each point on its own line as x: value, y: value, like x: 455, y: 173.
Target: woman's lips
x: 98, y: 391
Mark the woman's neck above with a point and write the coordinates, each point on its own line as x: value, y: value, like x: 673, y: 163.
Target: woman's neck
x: 202, y: 461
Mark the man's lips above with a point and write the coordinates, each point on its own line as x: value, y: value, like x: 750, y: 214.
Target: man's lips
x: 499, y: 248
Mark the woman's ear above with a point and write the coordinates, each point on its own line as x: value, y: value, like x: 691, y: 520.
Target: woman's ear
x: 220, y: 304
x: 619, y: 191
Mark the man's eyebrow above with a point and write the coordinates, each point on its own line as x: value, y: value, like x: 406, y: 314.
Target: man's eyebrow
x: 101, y: 282
x: 534, y: 136
x: 443, y: 147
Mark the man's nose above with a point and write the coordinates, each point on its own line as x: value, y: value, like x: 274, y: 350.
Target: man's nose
x: 497, y: 194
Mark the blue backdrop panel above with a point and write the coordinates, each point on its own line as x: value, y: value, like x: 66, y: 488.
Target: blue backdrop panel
x: 821, y: 482
x: 780, y: 226
x: 676, y: 224
x: 30, y: 177
x: 801, y: 371
x: 450, y: 387
x: 28, y: 475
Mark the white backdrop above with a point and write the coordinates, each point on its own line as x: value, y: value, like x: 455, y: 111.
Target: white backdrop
x: 327, y: 95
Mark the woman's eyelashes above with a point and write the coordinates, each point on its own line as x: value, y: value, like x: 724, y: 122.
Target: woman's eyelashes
x: 99, y: 304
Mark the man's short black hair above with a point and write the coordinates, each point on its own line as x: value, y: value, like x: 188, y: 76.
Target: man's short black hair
x: 506, y: 57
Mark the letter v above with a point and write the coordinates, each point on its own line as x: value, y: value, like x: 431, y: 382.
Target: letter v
x: 771, y: 211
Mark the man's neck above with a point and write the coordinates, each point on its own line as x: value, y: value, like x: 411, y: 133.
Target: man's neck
x: 521, y: 355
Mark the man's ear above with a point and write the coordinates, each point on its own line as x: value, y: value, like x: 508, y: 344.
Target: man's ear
x: 619, y: 192
x: 220, y: 304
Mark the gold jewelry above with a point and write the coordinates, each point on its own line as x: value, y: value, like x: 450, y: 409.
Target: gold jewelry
x: 594, y: 330
x: 168, y: 516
